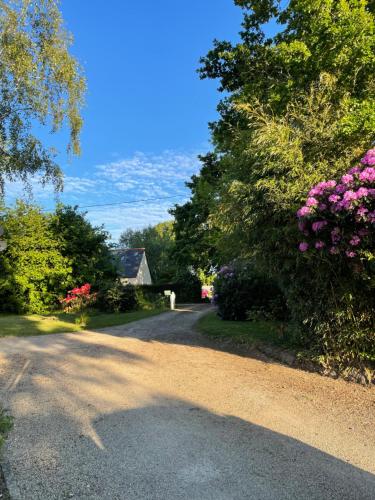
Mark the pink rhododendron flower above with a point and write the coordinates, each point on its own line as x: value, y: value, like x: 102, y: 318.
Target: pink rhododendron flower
x: 302, y: 212
x: 354, y: 170
x: 355, y: 241
x: 315, y: 192
x: 335, y: 235
x: 347, y: 179
x: 369, y: 158
x: 350, y: 254
x: 350, y: 195
x: 334, y: 198
x: 341, y: 188
x: 361, y: 212
x: 319, y: 245
x: 318, y: 225
x: 367, y: 175
x: 311, y: 202
x: 342, y: 214
x: 334, y: 251
x: 362, y: 191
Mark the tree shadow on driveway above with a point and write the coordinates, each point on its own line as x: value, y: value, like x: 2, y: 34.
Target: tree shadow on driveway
x: 172, y: 450
x: 179, y: 327
x: 99, y: 416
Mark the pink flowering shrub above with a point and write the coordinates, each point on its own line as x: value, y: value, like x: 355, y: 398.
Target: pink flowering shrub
x: 338, y: 218
x: 332, y: 295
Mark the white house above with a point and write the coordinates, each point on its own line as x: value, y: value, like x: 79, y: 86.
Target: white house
x: 132, y: 266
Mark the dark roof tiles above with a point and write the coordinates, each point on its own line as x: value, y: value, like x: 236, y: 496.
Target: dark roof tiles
x: 128, y: 261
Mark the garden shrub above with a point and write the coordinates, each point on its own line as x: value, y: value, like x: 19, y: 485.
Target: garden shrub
x: 241, y: 293
x: 334, y: 299
x: 6, y: 424
x: 115, y: 297
x: 187, y: 288
x: 148, y: 299
x: 109, y: 296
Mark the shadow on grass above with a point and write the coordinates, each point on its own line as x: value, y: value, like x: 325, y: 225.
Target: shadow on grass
x: 21, y: 326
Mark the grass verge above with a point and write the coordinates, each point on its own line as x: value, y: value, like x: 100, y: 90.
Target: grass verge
x: 6, y: 423
x: 250, y: 333
x: 269, y: 337
x: 23, y: 326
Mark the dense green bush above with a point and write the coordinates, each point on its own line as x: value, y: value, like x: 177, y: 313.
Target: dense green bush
x: 47, y: 255
x: 115, y: 297
x: 109, y: 297
x: 332, y: 309
x: 241, y: 294
x: 33, y: 272
x: 187, y: 288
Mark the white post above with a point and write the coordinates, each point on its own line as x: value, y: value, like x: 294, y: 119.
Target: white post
x: 3, y: 243
x: 173, y: 300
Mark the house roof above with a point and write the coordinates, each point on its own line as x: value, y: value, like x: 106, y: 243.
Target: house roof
x: 128, y: 261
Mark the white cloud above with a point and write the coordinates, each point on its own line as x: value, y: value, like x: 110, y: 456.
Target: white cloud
x: 39, y: 192
x: 168, y: 166
x: 141, y: 176
x: 80, y: 185
x: 117, y: 219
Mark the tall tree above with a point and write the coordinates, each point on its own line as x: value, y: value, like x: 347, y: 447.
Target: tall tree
x: 84, y: 245
x: 40, y: 83
x: 299, y: 107
x: 196, y: 239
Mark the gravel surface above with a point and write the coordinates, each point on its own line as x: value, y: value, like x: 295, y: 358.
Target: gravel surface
x: 151, y: 410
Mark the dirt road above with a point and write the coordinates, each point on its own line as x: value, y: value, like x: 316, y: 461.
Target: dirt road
x: 151, y: 410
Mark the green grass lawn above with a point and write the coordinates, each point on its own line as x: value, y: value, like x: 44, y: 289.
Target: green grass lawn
x: 243, y: 332
x: 22, y: 326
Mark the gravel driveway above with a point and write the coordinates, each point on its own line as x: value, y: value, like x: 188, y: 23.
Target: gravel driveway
x: 151, y: 410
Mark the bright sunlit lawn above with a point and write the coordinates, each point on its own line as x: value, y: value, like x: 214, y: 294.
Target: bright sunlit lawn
x: 22, y: 326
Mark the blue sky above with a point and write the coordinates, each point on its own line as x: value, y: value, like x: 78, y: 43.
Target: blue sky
x: 146, y: 112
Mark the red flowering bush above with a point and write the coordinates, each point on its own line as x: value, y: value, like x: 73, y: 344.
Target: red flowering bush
x: 78, y: 299
x: 339, y: 217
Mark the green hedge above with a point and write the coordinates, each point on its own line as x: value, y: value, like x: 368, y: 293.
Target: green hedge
x: 185, y: 292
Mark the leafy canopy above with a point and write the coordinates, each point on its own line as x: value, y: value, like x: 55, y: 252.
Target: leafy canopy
x: 299, y: 108
x: 84, y: 245
x: 40, y: 84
